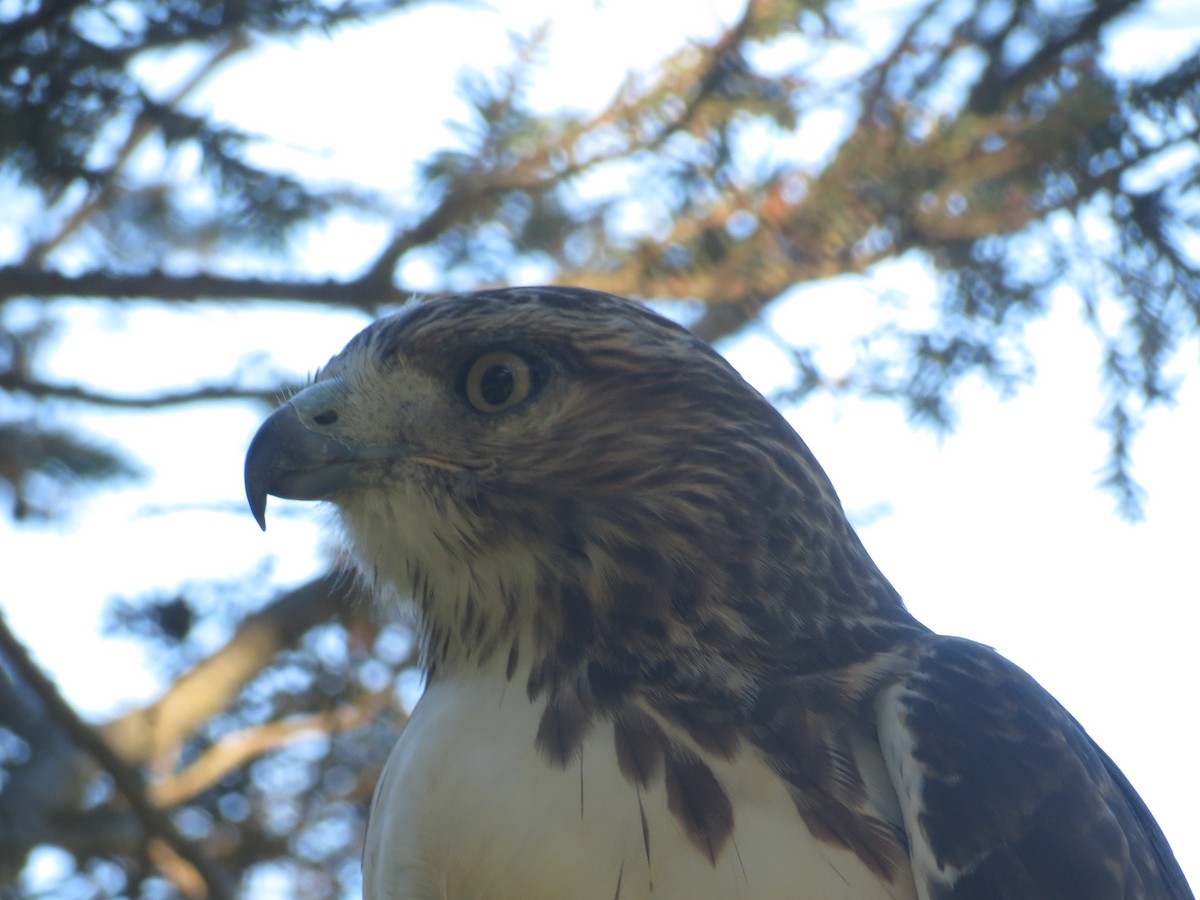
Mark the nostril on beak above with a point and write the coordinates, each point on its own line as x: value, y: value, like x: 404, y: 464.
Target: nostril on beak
x: 326, y: 418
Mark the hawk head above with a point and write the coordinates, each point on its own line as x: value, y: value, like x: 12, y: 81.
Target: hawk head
x: 567, y: 466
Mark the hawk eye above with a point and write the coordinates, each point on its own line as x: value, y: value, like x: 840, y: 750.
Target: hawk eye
x: 499, y: 380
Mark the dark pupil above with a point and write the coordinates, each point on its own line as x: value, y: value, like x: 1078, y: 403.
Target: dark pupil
x: 496, y: 385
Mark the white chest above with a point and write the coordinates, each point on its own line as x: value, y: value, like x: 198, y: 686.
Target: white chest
x: 466, y: 809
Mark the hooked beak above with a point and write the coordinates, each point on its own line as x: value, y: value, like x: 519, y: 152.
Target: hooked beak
x: 297, y: 454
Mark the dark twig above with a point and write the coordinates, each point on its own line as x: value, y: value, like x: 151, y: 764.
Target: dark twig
x: 45, y: 390
x: 17, y: 281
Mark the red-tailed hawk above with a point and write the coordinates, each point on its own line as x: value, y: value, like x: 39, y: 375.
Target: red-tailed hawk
x: 659, y: 662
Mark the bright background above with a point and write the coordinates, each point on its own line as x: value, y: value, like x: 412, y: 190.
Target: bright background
x: 997, y: 532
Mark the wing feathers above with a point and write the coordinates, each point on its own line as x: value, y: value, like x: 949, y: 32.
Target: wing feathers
x: 1004, y: 795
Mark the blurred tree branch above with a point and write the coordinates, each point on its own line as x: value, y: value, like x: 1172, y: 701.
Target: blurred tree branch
x: 236, y: 750
x: 145, y: 735
x: 153, y: 739
x: 126, y: 778
x: 102, y: 185
x: 83, y: 394
x: 20, y: 281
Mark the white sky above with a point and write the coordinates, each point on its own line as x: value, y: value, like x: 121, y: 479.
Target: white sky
x: 997, y: 533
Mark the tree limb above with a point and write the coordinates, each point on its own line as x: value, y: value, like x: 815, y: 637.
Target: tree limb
x: 20, y: 281
x: 212, y: 685
x: 126, y: 778
x: 236, y: 750
x: 43, y: 390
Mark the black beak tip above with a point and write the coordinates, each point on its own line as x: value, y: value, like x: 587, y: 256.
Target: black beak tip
x: 258, y: 505
x: 260, y: 460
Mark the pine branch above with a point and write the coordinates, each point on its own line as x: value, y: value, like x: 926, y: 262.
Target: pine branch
x: 103, y: 186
